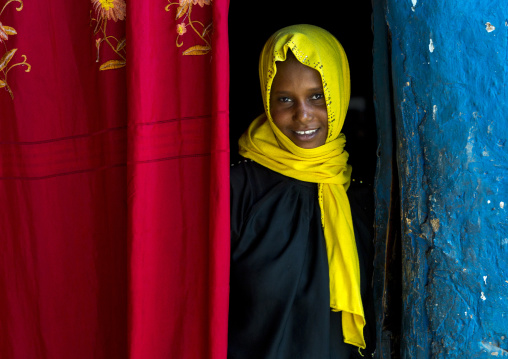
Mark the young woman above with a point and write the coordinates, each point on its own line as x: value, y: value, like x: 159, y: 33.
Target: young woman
x: 297, y: 273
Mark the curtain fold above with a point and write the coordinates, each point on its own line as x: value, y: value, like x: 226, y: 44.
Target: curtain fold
x: 114, y: 179
x: 178, y: 185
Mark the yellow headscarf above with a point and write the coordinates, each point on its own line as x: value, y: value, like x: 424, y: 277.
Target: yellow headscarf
x: 326, y: 165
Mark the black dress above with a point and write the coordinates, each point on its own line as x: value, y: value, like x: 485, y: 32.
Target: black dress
x: 279, y: 300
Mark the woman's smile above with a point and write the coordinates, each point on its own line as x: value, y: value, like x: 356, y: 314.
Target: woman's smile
x: 306, y: 135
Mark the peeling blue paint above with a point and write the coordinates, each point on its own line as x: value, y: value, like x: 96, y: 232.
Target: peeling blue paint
x: 449, y: 71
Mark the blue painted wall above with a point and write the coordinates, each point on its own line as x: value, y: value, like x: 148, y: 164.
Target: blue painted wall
x: 449, y: 72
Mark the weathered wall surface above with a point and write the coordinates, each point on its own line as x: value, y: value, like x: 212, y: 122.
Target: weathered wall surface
x: 449, y: 63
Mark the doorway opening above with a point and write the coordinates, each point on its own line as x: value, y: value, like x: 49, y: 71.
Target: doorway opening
x: 250, y: 25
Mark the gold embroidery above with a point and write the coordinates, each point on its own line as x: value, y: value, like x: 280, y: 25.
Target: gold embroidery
x: 5, y: 32
x: 109, y: 10
x: 184, y: 10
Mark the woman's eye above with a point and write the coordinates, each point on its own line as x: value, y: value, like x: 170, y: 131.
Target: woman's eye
x: 317, y: 96
x: 284, y: 99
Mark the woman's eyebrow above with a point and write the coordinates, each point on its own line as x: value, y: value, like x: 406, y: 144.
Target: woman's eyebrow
x: 282, y: 92
x: 314, y: 89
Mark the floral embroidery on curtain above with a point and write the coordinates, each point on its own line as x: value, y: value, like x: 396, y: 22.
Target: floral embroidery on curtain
x: 109, y: 10
x: 5, y: 65
x: 184, y: 11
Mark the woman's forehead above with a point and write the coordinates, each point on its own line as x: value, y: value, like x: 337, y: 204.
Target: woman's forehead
x: 292, y: 72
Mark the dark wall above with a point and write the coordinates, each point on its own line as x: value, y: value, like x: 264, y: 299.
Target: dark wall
x: 251, y: 24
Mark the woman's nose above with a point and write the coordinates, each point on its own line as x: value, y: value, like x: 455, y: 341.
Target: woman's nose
x: 302, y: 113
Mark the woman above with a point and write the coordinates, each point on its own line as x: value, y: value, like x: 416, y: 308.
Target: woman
x: 296, y: 273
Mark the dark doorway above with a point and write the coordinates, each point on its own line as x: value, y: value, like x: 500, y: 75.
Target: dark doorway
x: 251, y: 24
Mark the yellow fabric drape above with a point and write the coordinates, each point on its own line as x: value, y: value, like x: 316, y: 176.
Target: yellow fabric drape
x: 326, y: 165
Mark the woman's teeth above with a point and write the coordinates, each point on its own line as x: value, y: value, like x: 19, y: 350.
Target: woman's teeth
x: 309, y: 132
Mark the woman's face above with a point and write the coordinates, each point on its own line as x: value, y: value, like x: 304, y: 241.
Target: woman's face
x: 298, y: 105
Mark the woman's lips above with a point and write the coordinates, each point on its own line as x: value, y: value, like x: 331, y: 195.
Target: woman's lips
x: 307, y: 132
x: 306, y: 135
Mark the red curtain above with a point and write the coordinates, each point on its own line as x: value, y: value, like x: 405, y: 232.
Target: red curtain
x: 114, y: 179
